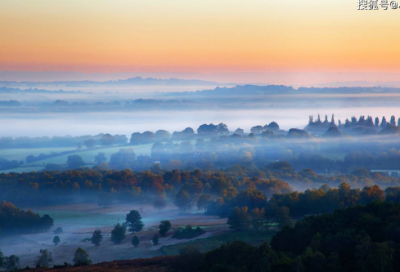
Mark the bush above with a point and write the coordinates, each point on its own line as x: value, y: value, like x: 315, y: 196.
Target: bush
x: 11, y: 263
x: 81, y: 257
x: 59, y: 230
x: 155, y: 239
x: 165, y: 226
x: 56, y: 240
x: 45, y: 259
x: 188, y: 232
x: 135, y: 241
x: 118, y: 233
x: 97, y: 237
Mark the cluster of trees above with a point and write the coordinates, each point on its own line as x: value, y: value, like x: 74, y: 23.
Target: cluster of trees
x: 54, y: 187
x: 364, y: 125
x: 188, y: 133
x: 256, y: 151
x: 133, y: 224
x: 10, y: 103
x: 7, y: 164
x: 318, y: 125
x: 227, y: 152
x: 188, y: 232
x: 44, y: 260
x: 252, y: 208
x: 9, y: 263
x: 273, y: 126
x: 371, y: 122
x: 14, y: 220
x: 185, y: 188
x: 214, y: 147
x: 360, y: 238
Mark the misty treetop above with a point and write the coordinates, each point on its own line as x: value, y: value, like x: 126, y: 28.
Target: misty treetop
x: 215, y: 147
x: 251, y: 208
x: 184, y: 188
x: 353, y: 126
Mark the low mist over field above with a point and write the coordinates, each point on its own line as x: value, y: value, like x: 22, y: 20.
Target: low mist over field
x: 61, y: 113
x: 104, y: 176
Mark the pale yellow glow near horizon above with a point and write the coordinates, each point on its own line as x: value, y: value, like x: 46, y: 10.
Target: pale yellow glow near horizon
x: 191, y: 35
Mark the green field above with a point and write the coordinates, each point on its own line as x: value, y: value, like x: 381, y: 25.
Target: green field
x: 86, y: 154
x: 213, y: 242
x: 20, y: 154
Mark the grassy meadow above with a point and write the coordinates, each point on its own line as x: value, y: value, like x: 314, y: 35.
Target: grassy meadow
x: 87, y: 155
x: 213, y: 242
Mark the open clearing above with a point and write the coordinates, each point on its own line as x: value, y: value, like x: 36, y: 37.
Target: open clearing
x: 79, y: 222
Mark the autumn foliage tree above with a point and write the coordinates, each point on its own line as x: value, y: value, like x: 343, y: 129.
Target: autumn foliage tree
x: 182, y: 200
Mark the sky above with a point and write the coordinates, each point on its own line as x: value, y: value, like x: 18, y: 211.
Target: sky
x: 199, y: 37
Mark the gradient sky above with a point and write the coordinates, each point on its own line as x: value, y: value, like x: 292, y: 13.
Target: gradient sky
x: 206, y: 36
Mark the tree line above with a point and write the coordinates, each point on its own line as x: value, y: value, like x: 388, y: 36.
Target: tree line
x: 359, y: 238
x: 185, y: 188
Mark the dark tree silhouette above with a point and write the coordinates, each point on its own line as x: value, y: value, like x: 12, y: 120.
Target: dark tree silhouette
x: 107, y: 140
x: 81, y: 257
x: 118, y: 234
x: 90, y: 143
x: 75, y: 161
x: 135, y: 241
x: 45, y: 259
x: 165, y: 226
x: 134, y: 220
x: 97, y: 237
x: 155, y: 239
x: 56, y: 240
x: 100, y: 158
x: 239, y: 219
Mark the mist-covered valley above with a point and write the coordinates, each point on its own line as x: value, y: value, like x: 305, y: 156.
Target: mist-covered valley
x: 95, y: 176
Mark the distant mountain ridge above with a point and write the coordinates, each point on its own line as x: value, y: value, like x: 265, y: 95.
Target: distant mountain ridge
x: 17, y: 90
x: 138, y: 81
x: 281, y: 89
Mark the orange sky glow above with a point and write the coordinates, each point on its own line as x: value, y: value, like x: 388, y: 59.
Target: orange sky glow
x: 205, y: 36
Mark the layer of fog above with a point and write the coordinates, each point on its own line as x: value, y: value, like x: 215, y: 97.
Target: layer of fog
x: 89, y: 123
